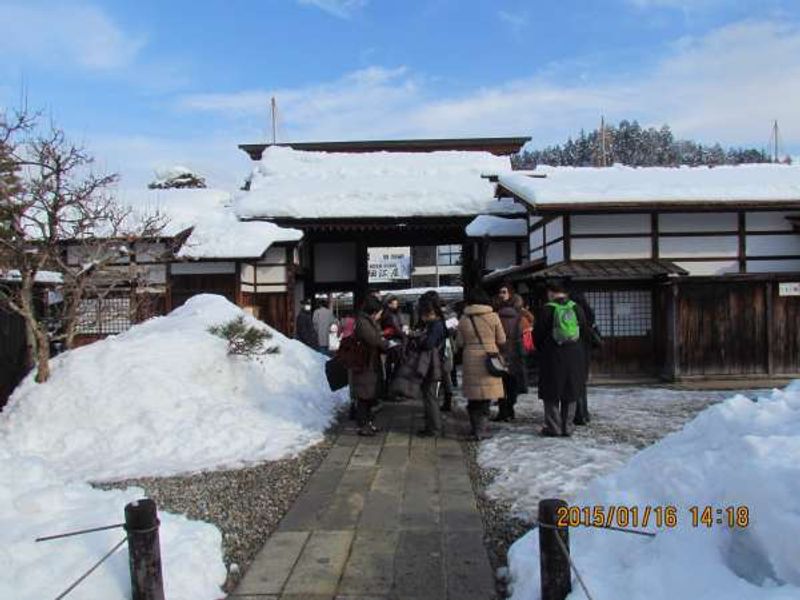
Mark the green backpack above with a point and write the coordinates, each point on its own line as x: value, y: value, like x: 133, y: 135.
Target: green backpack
x: 565, y: 322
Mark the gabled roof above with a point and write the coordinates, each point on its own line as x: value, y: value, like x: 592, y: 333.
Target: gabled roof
x: 619, y: 188
x: 497, y: 227
x: 214, y: 230
x: 292, y: 184
x: 500, y: 146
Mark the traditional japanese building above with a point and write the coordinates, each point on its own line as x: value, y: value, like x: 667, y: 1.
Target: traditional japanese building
x: 691, y: 272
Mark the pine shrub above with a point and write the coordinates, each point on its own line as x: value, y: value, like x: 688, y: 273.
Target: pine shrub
x: 243, y: 339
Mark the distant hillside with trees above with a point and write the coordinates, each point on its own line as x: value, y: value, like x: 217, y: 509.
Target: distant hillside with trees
x: 628, y: 143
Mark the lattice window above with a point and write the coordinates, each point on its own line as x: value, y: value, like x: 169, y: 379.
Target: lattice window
x: 622, y: 313
x: 104, y: 316
x: 449, y: 255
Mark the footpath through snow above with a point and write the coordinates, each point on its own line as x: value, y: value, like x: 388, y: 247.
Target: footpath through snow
x: 161, y: 399
x: 737, y: 453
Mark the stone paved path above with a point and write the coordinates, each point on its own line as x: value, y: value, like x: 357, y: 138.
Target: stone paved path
x: 389, y: 517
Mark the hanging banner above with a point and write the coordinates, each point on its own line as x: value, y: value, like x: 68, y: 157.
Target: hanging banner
x: 389, y: 264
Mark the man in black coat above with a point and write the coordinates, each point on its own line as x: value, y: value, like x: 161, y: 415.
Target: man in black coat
x: 304, y: 331
x: 582, y: 416
x: 561, y: 365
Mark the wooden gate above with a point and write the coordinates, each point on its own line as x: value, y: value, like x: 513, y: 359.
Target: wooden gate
x: 625, y: 317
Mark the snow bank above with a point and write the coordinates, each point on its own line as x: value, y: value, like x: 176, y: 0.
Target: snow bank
x: 297, y: 184
x: 738, y: 453
x: 619, y: 184
x: 160, y: 399
x: 487, y: 225
x: 217, y: 232
x: 169, y: 385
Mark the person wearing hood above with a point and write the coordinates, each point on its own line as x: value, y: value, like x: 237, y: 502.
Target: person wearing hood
x: 515, y: 381
x: 323, y: 318
x: 304, y: 330
x: 365, y: 382
x: 480, y: 333
x: 561, y: 359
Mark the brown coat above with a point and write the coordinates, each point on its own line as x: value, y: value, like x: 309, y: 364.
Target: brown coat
x: 366, y: 384
x: 477, y: 383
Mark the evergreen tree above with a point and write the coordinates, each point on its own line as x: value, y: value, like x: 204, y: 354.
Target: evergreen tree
x: 630, y: 144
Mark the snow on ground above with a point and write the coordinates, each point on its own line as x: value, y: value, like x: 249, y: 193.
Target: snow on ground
x: 530, y: 467
x: 160, y: 399
x: 620, y: 184
x: 297, y: 184
x: 736, y: 453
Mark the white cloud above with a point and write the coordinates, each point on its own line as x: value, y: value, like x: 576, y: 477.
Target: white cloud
x: 61, y: 35
x: 339, y: 8
x: 685, y: 5
x: 517, y: 21
x: 727, y: 85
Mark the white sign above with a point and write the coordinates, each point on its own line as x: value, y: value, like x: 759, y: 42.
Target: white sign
x: 389, y: 264
x: 791, y: 288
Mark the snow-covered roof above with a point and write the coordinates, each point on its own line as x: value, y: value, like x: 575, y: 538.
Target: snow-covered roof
x: 491, y: 226
x: 619, y: 185
x: 288, y: 183
x: 51, y: 277
x: 217, y: 232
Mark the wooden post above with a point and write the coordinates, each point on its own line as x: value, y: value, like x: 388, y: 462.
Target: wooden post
x: 141, y: 523
x: 553, y: 564
x: 770, y: 321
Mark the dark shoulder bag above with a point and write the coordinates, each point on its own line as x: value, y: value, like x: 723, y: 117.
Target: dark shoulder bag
x: 495, y: 364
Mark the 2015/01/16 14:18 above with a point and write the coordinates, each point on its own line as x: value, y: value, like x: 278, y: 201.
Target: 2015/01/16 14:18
x: 645, y: 516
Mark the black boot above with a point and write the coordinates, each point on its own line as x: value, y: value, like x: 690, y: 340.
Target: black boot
x: 502, y: 412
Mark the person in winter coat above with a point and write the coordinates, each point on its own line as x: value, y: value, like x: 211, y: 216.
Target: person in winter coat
x: 392, y: 327
x: 323, y: 319
x: 304, y: 330
x: 479, y: 332
x: 366, y: 383
x: 430, y: 345
x: 582, y: 407
x: 561, y: 362
x: 515, y: 382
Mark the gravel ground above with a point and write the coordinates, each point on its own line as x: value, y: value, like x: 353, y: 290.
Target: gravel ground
x: 501, y: 528
x: 245, y: 504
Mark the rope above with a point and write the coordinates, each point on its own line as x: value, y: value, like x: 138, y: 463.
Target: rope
x: 611, y: 527
x: 572, y: 564
x: 90, y: 571
x: 80, y: 532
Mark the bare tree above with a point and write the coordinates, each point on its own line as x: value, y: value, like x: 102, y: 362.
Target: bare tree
x: 58, y: 215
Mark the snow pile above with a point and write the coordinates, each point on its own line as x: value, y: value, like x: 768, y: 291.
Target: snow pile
x: 620, y: 184
x: 176, y: 177
x: 297, y: 184
x: 738, y: 453
x: 169, y: 385
x: 217, y: 232
x: 487, y: 225
x: 160, y: 399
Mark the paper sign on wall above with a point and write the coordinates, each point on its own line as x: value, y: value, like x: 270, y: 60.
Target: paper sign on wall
x: 790, y: 288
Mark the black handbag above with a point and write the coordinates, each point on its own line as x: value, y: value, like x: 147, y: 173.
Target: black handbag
x: 495, y: 364
x: 336, y: 374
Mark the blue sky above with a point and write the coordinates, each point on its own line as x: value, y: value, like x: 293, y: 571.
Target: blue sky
x: 147, y: 84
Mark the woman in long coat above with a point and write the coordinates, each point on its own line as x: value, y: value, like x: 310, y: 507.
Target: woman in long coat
x: 479, y: 333
x: 366, y: 383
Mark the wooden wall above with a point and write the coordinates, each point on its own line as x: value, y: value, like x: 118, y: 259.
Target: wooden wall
x: 12, y: 353
x: 741, y: 328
